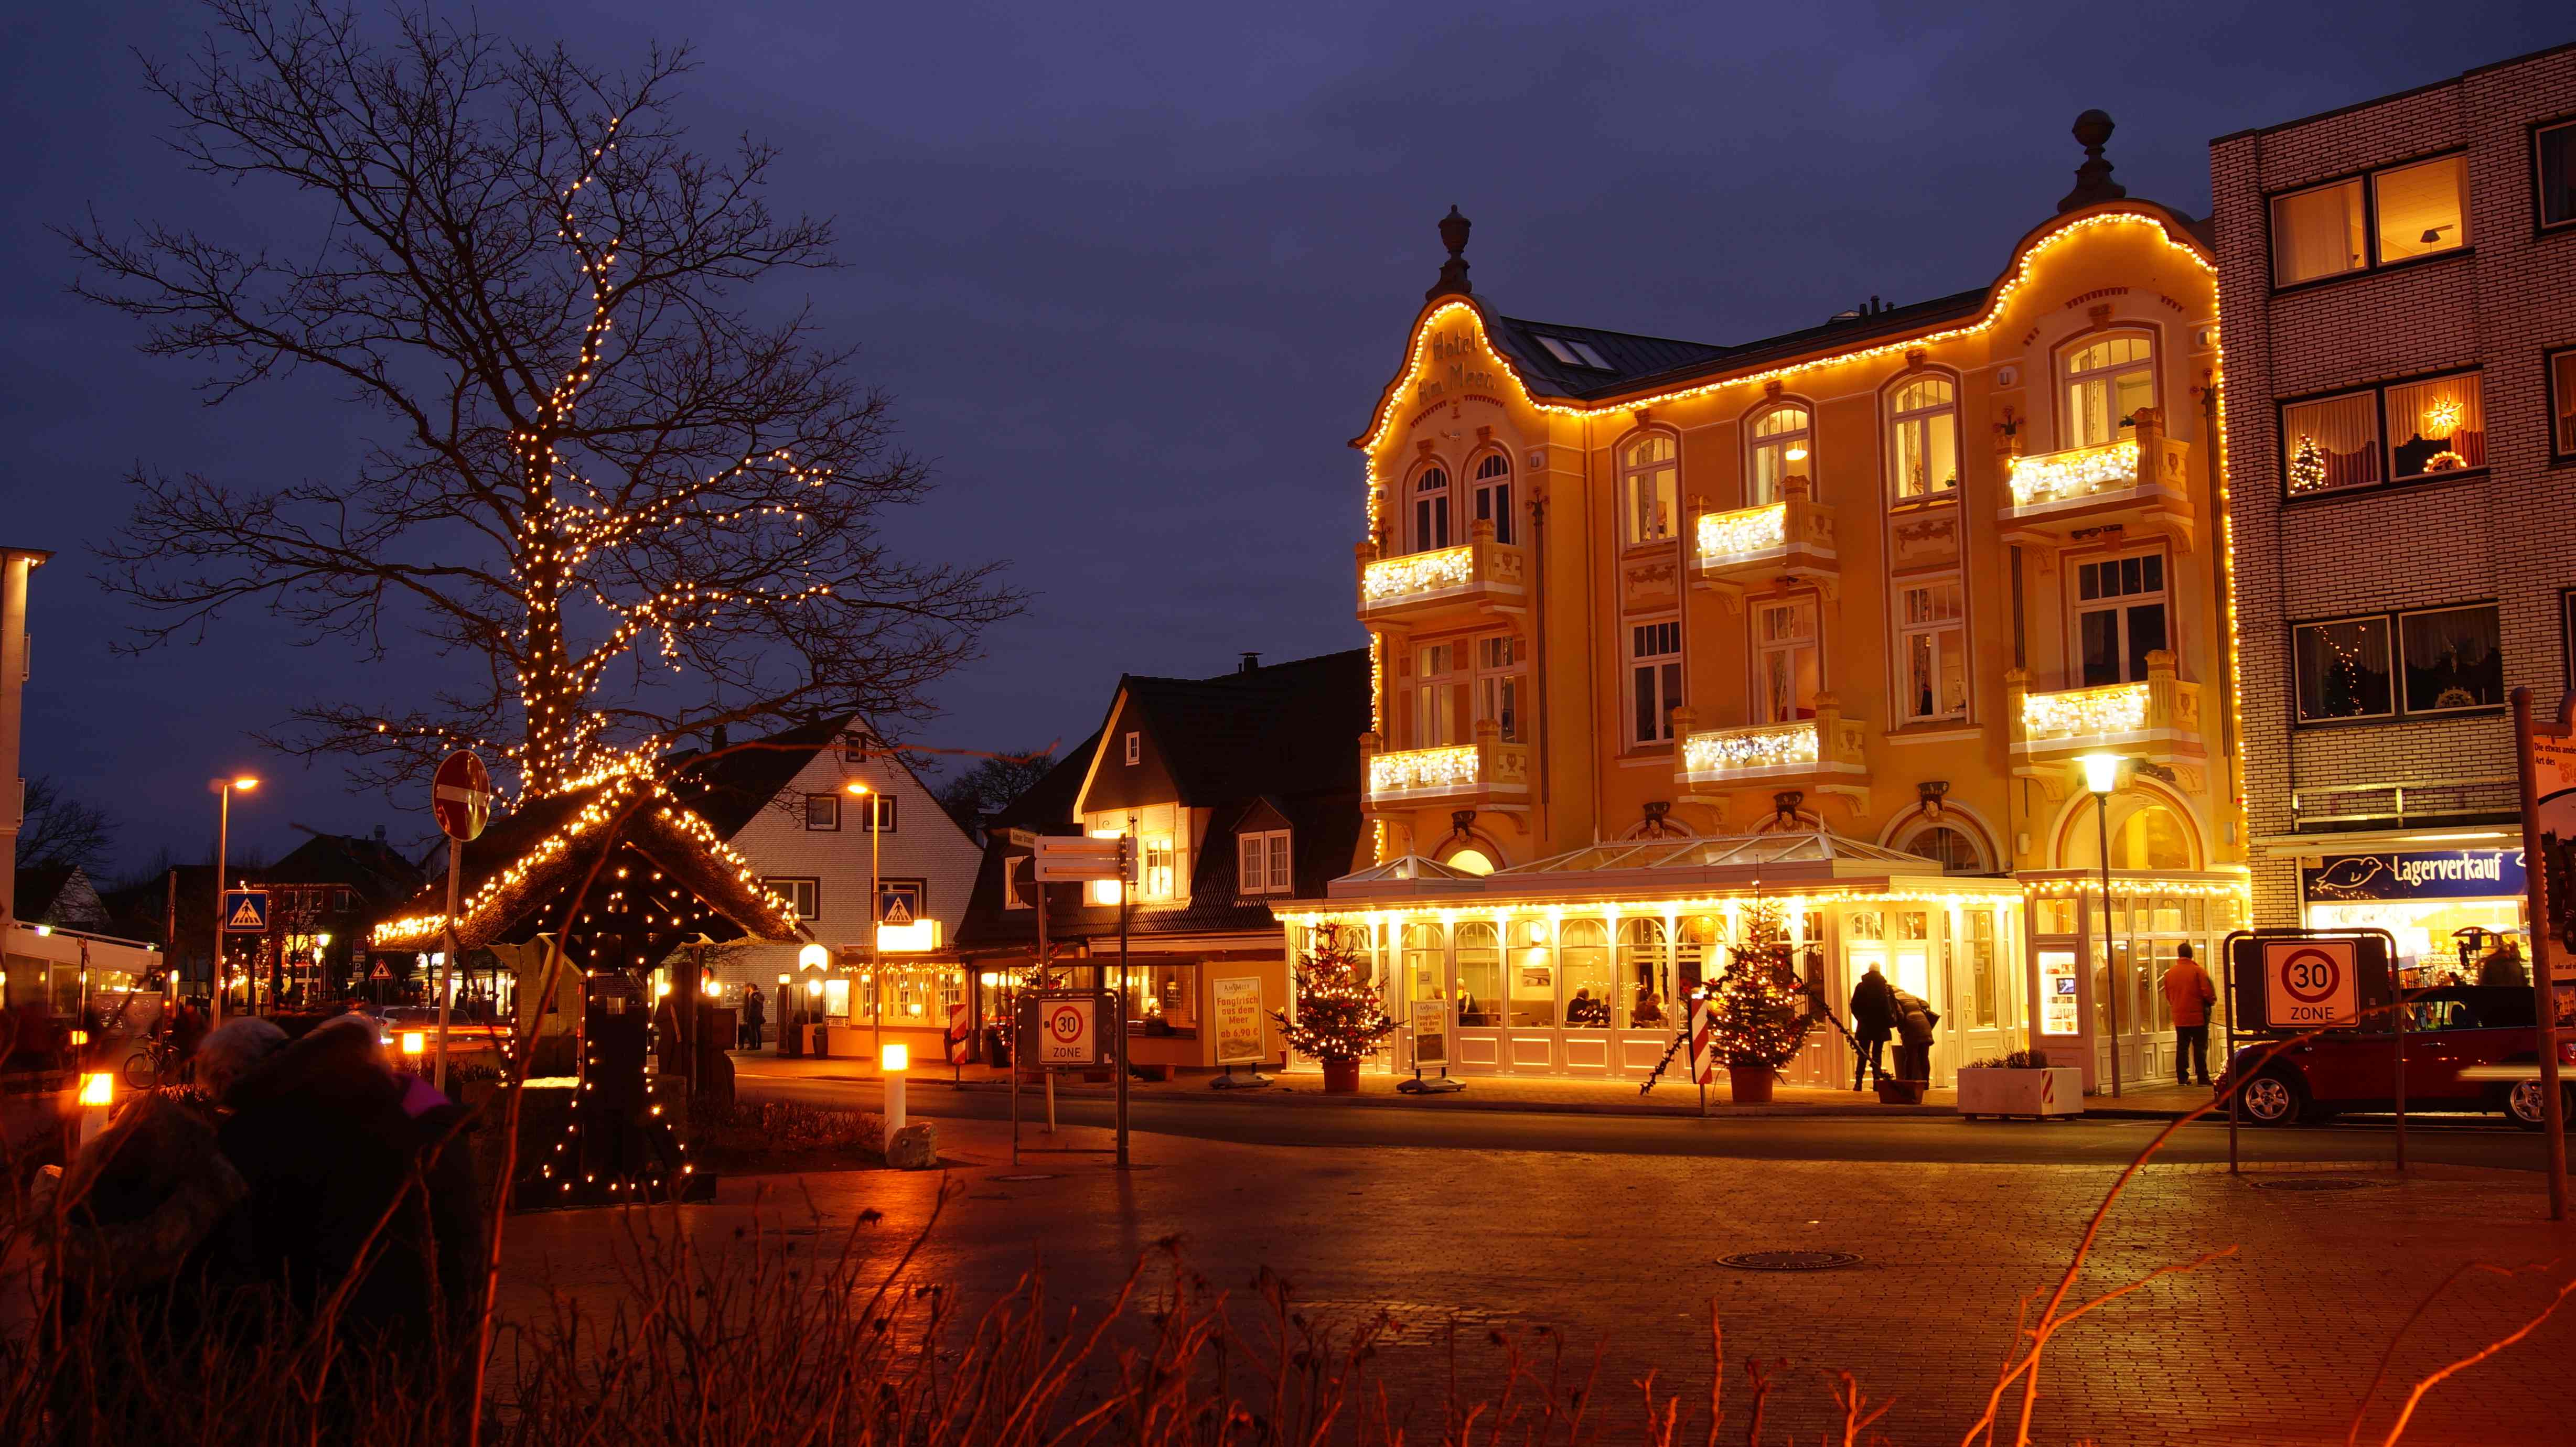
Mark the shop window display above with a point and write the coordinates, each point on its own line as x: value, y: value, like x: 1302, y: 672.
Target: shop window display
x: 1480, y: 975
x: 1533, y: 980
x: 1645, y: 990
x: 1584, y: 956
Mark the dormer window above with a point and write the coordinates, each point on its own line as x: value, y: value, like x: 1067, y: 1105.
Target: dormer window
x: 1262, y: 863
x: 1573, y: 353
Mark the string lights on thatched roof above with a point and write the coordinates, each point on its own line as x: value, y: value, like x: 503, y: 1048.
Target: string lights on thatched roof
x: 672, y: 878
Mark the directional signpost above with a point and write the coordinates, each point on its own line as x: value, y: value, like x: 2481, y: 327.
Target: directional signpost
x: 461, y: 797
x: 1069, y: 858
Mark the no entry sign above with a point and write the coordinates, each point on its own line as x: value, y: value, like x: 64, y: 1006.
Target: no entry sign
x: 2311, y: 982
x: 461, y: 795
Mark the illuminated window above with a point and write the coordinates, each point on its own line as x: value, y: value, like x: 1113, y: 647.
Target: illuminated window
x: 2419, y: 209
x: 1655, y: 676
x: 1956, y: 851
x: 1430, y: 510
x: 2120, y: 616
x: 1780, y: 439
x: 2554, y: 169
x: 1650, y: 482
x: 1923, y: 426
x: 1494, y: 494
x: 823, y: 812
x: 1788, y: 670
x: 1501, y: 685
x: 1156, y: 881
x: 2107, y: 381
x: 2330, y: 443
x: 2343, y: 669
x: 1933, y: 642
x: 2435, y: 426
x: 1440, y: 696
x: 2454, y: 659
x: 1481, y: 991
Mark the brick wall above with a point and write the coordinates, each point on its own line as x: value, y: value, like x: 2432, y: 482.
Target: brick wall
x: 2509, y: 535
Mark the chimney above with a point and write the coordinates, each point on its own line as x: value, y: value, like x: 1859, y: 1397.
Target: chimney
x: 380, y: 834
x: 1251, y: 661
x: 716, y: 738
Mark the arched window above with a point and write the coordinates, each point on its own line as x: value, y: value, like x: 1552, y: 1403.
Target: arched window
x: 1923, y: 428
x: 1644, y: 989
x: 1955, y: 846
x: 2144, y: 835
x: 2106, y: 382
x: 1780, y: 438
x: 1583, y: 955
x: 1430, y: 509
x: 1426, y: 963
x: 1470, y: 860
x: 1650, y: 487
x: 1480, y: 975
x: 1494, y: 494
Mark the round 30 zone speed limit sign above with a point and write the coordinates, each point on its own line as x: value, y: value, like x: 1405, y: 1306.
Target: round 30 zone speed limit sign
x: 2308, y: 983
x: 1065, y: 1026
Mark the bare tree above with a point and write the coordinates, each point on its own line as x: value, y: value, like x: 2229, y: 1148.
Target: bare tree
x: 636, y: 511
x: 58, y: 829
x: 980, y: 790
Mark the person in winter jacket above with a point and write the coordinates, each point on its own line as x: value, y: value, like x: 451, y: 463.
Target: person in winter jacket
x: 1873, y: 1012
x: 2189, y: 993
x: 1914, y: 1023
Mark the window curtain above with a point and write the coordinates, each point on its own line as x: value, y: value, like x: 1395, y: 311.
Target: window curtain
x: 2343, y: 669
x: 2334, y: 443
x: 2316, y: 233
x: 2452, y: 659
x: 2436, y: 426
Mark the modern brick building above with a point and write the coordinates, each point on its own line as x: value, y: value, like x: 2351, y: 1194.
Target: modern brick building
x: 2398, y: 288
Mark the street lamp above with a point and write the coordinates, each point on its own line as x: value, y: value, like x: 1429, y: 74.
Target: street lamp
x: 2102, y: 780
x: 876, y: 989
x: 244, y: 783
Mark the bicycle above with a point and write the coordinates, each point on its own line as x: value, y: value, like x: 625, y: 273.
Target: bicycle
x: 158, y: 1062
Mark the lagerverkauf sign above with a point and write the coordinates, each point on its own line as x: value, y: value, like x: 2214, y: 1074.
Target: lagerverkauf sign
x: 2440, y: 874
x: 2310, y: 983
x: 1237, y: 1004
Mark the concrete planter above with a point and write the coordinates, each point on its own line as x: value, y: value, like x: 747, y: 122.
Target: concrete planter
x: 2037, y: 1094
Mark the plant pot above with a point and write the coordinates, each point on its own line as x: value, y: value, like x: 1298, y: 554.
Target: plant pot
x: 1900, y: 1092
x: 1341, y: 1077
x: 1749, y: 1084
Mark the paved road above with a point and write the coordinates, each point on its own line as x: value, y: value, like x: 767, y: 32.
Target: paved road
x: 1441, y: 1125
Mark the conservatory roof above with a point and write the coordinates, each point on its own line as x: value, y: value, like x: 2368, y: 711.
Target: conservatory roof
x: 1670, y: 868
x: 1406, y: 874
x: 1792, y: 847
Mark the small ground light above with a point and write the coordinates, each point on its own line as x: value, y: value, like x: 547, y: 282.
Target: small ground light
x: 414, y: 1041
x: 892, y: 1061
x: 79, y: 1038
x: 98, y: 1088
x: 895, y: 1058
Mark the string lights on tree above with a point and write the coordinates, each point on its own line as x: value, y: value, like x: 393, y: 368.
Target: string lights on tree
x: 1338, y: 1016
x: 1759, y: 1013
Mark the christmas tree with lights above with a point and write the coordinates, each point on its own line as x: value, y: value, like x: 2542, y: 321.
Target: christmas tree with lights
x: 1758, y: 1011
x: 1338, y: 1016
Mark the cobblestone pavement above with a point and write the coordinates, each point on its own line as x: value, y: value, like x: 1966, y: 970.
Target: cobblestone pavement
x: 2271, y: 1345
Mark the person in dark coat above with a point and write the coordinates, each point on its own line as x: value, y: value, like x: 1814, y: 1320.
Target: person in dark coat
x: 1873, y: 1012
x: 1915, y: 1020
x: 755, y: 1014
x: 329, y: 1139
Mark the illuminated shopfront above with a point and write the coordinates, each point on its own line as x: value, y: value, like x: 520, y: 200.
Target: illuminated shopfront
x: 2090, y: 1000
x: 2450, y: 910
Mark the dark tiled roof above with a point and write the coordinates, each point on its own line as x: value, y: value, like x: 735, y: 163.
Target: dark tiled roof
x: 1049, y: 801
x: 1630, y: 357
x: 730, y: 791
x: 1289, y: 728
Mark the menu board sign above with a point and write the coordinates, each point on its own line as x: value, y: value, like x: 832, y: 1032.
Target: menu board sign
x: 1238, y: 1020
x: 2060, y: 1007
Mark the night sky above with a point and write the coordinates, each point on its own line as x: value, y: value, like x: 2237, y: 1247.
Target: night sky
x: 1134, y: 277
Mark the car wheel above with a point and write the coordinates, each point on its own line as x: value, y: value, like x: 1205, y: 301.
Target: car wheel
x: 2522, y: 1105
x: 2274, y: 1098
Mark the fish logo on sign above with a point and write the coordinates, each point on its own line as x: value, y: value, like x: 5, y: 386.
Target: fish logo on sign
x: 245, y: 911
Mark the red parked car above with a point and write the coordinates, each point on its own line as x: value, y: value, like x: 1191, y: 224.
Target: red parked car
x: 2468, y: 1048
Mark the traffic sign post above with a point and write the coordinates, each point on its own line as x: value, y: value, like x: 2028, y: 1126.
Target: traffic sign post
x: 461, y: 797
x: 2293, y: 981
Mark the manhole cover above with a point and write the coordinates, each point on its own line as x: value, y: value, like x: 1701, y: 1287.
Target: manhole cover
x: 1024, y: 1178
x: 2311, y: 1183
x: 1789, y: 1260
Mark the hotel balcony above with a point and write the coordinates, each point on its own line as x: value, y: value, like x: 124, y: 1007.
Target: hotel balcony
x: 1445, y: 585
x: 1791, y: 538
x: 1485, y: 774
x: 2158, y: 721
x: 1827, y: 753
x: 2141, y: 484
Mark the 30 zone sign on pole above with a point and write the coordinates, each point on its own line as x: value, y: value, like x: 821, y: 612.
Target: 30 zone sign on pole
x: 2310, y: 983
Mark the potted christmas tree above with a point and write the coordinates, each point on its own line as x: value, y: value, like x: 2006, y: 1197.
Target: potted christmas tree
x: 1758, y: 1015
x: 1338, y: 1019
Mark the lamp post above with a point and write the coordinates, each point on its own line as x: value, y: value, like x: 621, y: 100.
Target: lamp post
x: 2102, y: 778
x: 223, y: 843
x: 876, y: 965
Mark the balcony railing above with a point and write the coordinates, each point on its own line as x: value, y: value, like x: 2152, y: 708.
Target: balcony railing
x: 2156, y: 717
x: 1793, y: 537
x: 1825, y: 744
x: 2142, y: 479
x: 1474, y: 573
x: 1487, y: 767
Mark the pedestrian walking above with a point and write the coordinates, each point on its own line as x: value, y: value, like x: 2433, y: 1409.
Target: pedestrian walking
x: 2189, y: 992
x: 1915, y: 1022
x: 755, y: 1014
x: 1873, y: 1012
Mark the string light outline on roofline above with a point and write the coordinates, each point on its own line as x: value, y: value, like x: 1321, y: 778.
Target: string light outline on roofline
x: 2013, y: 281
x: 2006, y: 894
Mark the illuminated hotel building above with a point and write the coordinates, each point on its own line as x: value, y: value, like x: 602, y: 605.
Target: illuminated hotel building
x: 1662, y: 628
x: 2400, y: 278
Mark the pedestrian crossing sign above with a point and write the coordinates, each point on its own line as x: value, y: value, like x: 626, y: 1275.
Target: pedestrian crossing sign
x: 245, y: 911
x: 894, y: 909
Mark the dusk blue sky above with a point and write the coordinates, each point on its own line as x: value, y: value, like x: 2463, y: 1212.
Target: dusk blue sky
x: 1134, y: 276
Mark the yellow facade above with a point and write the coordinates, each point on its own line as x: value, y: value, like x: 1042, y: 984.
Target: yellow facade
x: 1887, y: 579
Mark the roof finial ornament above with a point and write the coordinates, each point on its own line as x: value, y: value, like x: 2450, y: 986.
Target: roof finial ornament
x: 1453, y: 272
x: 2093, y: 183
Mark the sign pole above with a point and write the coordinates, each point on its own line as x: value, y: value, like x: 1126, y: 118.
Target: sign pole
x: 2397, y: 1007
x: 447, y: 957
x: 2235, y: 1083
x: 1020, y: 1042
x: 2544, y: 994
x: 1126, y: 894
x: 223, y: 844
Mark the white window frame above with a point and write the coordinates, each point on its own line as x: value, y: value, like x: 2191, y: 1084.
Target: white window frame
x: 1787, y: 451
x: 1918, y: 423
x: 1264, y: 862
x: 804, y: 894
x: 1954, y: 630
x: 881, y: 814
x: 1135, y: 748
x: 1661, y: 672
x: 912, y: 884
x: 1011, y: 866
x: 833, y: 812
x: 1502, y: 667
x: 1429, y: 508
x: 1639, y: 471
x: 2078, y: 608
x: 2071, y: 413
x: 1764, y: 650
x: 1492, y: 489
x: 1441, y: 714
